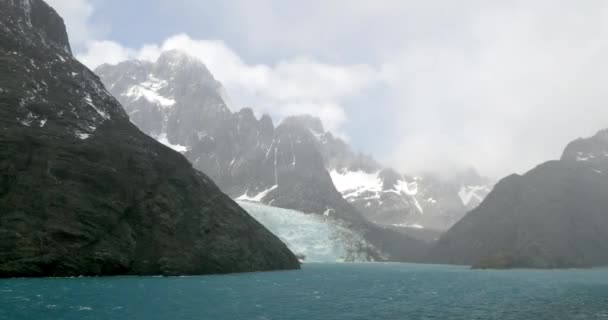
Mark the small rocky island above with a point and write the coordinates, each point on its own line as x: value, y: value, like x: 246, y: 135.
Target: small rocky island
x: 84, y: 192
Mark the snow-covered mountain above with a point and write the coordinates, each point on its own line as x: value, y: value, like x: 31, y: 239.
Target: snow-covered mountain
x: 296, y: 165
x: 314, y: 238
x: 177, y: 100
x: 387, y: 197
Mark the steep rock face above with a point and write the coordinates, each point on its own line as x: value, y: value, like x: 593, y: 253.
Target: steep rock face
x: 84, y: 192
x: 554, y: 216
x: 249, y: 158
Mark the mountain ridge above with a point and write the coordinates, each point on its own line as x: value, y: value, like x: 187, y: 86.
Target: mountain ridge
x: 554, y: 216
x: 243, y: 163
x: 248, y: 157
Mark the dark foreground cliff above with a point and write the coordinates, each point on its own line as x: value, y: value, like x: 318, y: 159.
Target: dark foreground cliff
x: 84, y: 192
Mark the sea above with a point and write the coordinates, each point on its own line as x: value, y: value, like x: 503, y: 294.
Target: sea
x: 327, y: 291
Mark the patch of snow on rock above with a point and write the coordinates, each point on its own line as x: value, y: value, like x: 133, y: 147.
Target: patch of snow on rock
x: 149, y: 90
x: 354, y: 183
x: 102, y: 113
x: 82, y: 135
x: 177, y: 147
x: 258, y: 197
x: 469, y: 193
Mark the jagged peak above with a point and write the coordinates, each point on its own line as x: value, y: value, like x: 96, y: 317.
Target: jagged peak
x: 585, y: 149
x: 178, y: 58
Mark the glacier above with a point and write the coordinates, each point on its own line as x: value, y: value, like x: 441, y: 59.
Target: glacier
x: 312, y: 237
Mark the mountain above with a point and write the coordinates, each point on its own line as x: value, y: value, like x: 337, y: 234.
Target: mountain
x: 176, y: 100
x: 387, y: 197
x: 554, y: 216
x: 84, y: 192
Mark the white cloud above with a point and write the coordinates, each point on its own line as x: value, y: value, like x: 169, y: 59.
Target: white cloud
x: 100, y: 52
x: 289, y: 87
x: 530, y: 81
x: 498, y: 85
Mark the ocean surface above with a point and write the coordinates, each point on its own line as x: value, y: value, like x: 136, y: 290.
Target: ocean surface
x: 319, y: 291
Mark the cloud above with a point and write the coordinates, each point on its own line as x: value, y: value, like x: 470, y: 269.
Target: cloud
x: 289, y: 87
x: 529, y: 81
x: 100, y: 52
x: 501, y: 86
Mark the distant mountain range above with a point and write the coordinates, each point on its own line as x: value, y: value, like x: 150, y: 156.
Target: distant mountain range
x: 177, y: 101
x: 554, y: 216
x: 296, y: 165
x: 84, y: 192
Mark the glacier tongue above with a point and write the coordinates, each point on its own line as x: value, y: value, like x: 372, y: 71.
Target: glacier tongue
x: 315, y: 238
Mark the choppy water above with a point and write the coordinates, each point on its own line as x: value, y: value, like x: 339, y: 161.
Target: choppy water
x: 319, y: 291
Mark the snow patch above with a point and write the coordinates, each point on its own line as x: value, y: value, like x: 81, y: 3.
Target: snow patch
x: 584, y: 157
x: 102, y: 113
x: 354, y: 183
x: 404, y: 225
x: 149, y: 90
x: 319, y: 136
x: 402, y: 186
x: 82, y: 135
x: 162, y: 138
x: 469, y: 193
x: 258, y: 197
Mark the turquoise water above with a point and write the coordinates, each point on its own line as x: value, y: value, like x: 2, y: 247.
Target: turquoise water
x: 330, y: 291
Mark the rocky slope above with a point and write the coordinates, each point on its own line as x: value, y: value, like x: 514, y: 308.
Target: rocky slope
x: 554, y: 216
x: 177, y: 100
x: 84, y: 192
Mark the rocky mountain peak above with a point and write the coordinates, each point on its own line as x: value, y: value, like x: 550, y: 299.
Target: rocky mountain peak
x: 593, y: 150
x: 36, y: 15
x: 178, y: 65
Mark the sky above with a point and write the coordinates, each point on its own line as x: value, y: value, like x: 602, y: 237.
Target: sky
x: 423, y: 86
